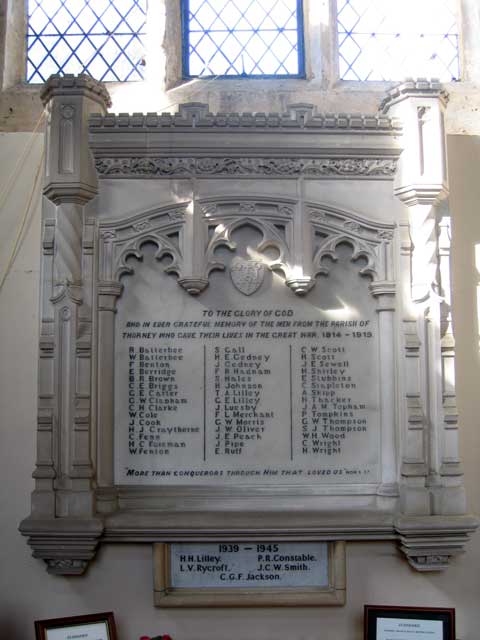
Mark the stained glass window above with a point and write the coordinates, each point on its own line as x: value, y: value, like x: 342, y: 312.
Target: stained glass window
x: 394, y: 39
x: 102, y: 38
x: 242, y: 38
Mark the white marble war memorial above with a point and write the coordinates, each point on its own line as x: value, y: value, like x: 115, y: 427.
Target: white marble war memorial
x: 246, y: 330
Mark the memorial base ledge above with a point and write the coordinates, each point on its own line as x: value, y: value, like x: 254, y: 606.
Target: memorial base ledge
x: 68, y: 545
x: 430, y: 542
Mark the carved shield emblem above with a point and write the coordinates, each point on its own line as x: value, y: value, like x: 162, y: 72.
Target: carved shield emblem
x: 247, y: 275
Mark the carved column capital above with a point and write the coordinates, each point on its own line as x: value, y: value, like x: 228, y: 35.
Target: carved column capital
x: 420, y: 105
x: 70, y: 174
x: 384, y: 292
x: 71, y: 85
x: 111, y: 289
x: 411, y: 88
x: 382, y: 288
x: 418, y: 194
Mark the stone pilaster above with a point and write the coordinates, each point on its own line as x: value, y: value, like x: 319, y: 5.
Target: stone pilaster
x: 66, y: 507
x: 384, y: 292
x: 300, y: 276
x: 193, y: 277
x: 431, y: 472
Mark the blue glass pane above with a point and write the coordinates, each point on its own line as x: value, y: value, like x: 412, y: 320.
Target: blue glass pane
x: 394, y: 39
x: 102, y: 38
x: 242, y: 37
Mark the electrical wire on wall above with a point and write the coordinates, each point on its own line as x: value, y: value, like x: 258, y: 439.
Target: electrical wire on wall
x: 10, y: 183
x: 26, y: 217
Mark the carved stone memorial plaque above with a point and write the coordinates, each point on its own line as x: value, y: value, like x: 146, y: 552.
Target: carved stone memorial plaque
x: 265, y: 388
x: 246, y: 329
x: 286, y: 564
x: 249, y: 574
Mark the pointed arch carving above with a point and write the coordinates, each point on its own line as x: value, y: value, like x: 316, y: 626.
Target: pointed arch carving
x: 271, y: 238
x: 124, y: 238
x: 134, y: 249
x: 368, y: 239
x: 274, y: 218
x: 360, y: 250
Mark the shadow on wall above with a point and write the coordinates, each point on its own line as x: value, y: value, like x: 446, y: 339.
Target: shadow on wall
x: 464, y: 178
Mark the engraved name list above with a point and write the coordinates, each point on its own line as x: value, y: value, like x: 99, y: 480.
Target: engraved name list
x: 258, y: 394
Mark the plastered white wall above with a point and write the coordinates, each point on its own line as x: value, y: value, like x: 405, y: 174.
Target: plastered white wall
x: 120, y: 579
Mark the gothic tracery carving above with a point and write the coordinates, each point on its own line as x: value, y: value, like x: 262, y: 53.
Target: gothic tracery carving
x: 270, y: 218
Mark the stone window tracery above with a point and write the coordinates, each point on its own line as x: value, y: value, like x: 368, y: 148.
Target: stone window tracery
x: 102, y: 38
x: 238, y: 38
x: 391, y: 40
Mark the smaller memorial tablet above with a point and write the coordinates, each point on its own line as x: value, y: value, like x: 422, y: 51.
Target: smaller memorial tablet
x: 249, y: 573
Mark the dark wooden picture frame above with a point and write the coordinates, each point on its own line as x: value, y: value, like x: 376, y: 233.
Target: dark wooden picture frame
x: 426, y: 614
x: 75, y: 623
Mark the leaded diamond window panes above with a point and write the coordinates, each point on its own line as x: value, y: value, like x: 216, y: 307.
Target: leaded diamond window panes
x: 231, y: 38
x: 395, y: 39
x: 102, y: 38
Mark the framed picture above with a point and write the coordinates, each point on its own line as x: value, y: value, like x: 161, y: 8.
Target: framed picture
x: 409, y: 623
x: 96, y: 626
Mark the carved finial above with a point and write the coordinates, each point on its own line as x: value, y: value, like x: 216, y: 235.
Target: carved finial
x: 410, y: 88
x: 301, y: 286
x: 193, y: 286
x: 301, y: 112
x: 69, y: 85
